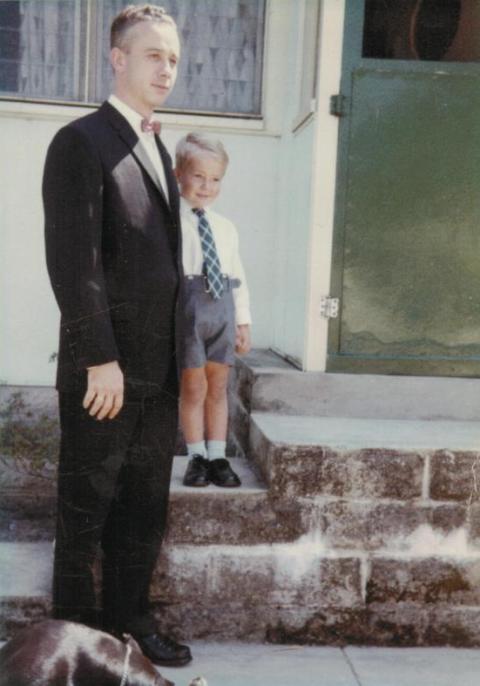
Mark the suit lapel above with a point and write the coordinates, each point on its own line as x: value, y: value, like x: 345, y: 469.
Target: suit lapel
x: 128, y: 135
x: 169, y: 175
x: 141, y: 155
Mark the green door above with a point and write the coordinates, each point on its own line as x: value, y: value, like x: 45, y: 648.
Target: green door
x: 406, y: 263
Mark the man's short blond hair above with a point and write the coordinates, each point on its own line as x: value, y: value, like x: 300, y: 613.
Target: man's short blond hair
x: 194, y: 145
x: 132, y: 15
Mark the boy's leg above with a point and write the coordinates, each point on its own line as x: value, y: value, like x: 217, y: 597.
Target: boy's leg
x: 216, y: 404
x: 193, y: 391
x: 216, y: 420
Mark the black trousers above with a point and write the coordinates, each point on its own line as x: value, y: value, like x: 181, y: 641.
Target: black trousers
x: 113, y: 486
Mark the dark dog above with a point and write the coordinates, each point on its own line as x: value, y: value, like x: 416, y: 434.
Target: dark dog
x: 58, y: 653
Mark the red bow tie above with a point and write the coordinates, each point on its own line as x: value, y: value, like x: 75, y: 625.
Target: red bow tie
x: 153, y: 126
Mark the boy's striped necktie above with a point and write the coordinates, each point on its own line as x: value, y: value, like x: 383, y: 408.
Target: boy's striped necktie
x: 211, y: 261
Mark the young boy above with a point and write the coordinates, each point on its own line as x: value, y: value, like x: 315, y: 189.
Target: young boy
x: 216, y: 312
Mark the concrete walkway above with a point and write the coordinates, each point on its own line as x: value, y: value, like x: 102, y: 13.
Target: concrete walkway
x: 240, y: 664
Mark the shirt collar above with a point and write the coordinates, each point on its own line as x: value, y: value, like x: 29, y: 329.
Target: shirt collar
x: 186, y: 208
x: 131, y: 115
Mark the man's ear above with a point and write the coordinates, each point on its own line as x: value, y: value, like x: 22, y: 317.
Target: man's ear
x: 117, y: 60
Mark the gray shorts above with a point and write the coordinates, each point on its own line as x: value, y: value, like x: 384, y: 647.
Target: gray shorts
x: 207, y: 332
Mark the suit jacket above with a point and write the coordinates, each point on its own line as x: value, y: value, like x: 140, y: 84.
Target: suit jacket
x: 113, y: 252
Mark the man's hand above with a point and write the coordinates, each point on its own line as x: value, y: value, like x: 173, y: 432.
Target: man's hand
x: 104, y: 396
x: 242, y: 339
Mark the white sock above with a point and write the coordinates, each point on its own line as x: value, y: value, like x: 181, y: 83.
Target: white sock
x: 197, y: 449
x: 216, y: 449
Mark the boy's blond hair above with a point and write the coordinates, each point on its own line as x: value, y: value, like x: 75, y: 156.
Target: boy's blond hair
x: 132, y: 15
x: 195, y: 144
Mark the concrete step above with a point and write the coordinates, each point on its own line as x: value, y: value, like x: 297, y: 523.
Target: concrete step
x: 301, y: 592
x: 370, y: 525
x: 321, y: 477
x: 274, y: 385
x: 255, y: 518
x: 245, y: 515
x: 219, y: 591
x: 240, y: 516
x: 366, y: 458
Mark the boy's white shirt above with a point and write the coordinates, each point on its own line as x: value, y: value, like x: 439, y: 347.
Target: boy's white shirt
x: 226, y: 241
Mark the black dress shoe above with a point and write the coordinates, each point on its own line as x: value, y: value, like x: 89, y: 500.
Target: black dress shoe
x: 221, y: 474
x: 197, y: 472
x: 164, y: 651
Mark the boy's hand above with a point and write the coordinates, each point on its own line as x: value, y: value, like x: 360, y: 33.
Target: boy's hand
x: 242, y: 339
x: 104, y: 396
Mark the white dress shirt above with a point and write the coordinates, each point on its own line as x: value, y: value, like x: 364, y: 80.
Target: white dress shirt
x: 146, y: 139
x: 226, y: 241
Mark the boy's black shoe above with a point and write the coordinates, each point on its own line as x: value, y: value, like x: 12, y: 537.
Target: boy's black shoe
x: 164, y: 651
x: 197, y: 473
x: 221, y: 474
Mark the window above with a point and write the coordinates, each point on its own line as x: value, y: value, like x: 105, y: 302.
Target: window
x: 57, y: 50
x: 438, y: 30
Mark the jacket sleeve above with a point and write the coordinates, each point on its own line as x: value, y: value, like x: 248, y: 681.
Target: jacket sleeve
x: 73, y: 202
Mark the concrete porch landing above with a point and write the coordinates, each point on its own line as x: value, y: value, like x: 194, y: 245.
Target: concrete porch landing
x: 276, y: 386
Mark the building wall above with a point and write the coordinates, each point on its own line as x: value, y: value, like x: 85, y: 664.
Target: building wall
x: 28, y: 312
x: 294, y: 203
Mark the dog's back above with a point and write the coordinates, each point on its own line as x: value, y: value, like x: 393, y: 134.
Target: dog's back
x: 21, y: 658
x: 58, y: 653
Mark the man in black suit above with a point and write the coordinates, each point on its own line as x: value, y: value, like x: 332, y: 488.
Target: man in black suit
x: 114, y: 259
